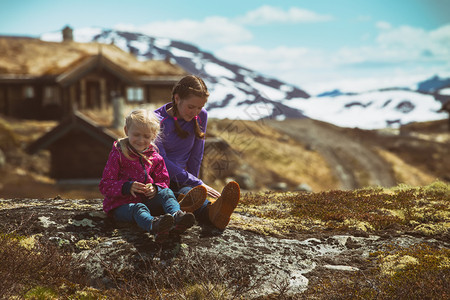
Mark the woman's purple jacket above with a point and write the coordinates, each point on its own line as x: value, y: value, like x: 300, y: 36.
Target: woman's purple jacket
x: 183, y: 157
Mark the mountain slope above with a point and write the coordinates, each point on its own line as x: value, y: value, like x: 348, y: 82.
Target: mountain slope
x: 231, y: 85
x: 373, y: 110
x: 433, y: 84
x: 240, y: 93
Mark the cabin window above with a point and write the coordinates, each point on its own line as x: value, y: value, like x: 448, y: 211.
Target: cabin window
x: 135, y: 94
x: 51, y: 96
x: 28, y: 92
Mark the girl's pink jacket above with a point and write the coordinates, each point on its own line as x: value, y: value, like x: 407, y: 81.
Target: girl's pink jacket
x: 120, y: 169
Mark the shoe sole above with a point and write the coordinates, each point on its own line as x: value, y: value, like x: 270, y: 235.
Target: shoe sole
x: 226, y: 204
x: 185, y: 223
x: 196, y: 196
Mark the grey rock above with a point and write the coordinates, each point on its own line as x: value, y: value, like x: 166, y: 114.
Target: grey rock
x: 303, y: 187
x: 101, y: 245
x: 279, y: 186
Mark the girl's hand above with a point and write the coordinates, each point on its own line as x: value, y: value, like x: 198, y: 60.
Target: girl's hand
x: 150, y: 191
x: 211, y: 192
x: 137, y: 187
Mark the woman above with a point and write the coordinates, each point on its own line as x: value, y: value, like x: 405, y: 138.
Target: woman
x: 183, y: 125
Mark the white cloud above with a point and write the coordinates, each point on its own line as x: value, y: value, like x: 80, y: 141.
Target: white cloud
x: 210, y: 31
x: 396, y: 46
x: 410, y: 43
x: 400, y: 56
x: 268, y: 14
x: 267, y: 59
x: 395, y: 52
x: 383, y: 25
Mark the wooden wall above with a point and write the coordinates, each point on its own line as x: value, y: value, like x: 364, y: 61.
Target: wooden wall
x: 78, y: 155
x: 159, y: 94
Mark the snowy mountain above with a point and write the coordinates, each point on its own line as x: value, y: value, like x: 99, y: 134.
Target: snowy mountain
x: 240, y: 93
x: 373, y: 110
x: 433, y: 84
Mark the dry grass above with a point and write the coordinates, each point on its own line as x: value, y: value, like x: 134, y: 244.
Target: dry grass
x: 34, y: 269
x: 424, y: 210
x: 273, y: 157
x: 415, y: 272
x: 405, y: 173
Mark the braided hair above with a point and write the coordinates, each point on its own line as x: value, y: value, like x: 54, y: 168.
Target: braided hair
x: 190, y: 85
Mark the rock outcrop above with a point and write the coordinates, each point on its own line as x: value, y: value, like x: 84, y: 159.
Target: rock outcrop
x: 102, y: 245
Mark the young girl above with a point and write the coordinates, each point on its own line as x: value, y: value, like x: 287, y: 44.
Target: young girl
x: 183, y: 124
x: 135, y: 181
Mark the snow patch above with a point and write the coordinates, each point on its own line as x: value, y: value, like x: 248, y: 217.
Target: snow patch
x: 218, y: 71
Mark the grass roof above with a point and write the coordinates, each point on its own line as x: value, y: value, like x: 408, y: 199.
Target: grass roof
x: 33, y: 57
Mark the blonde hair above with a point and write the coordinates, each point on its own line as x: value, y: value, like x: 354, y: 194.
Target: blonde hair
x: 190, y: 85
x: 141, y: 118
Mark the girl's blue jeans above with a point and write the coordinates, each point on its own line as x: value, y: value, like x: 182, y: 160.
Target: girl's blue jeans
x: 164, y: 202
x: 200, y: 214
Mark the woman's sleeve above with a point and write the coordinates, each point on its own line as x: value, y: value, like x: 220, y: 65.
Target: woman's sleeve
x: 195, y: 159
x: 177, y: 174
x: 110, y: 185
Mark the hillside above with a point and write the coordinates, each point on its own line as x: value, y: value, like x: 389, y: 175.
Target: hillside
x: 324, y: 156
x: 262, y: 155
x: 416, y: 154
x: 376, y: 242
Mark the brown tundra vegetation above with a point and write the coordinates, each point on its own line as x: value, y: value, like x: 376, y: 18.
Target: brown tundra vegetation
x: 344, y: 239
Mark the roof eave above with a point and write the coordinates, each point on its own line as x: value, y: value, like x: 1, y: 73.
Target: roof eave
x: 169, y: 80
x: 92, y: 63
x: 77, y: 120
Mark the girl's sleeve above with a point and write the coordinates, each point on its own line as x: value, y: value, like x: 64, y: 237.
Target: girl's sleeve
x: 110, y: 185
x: 159, y: 174
x: 177, y: 174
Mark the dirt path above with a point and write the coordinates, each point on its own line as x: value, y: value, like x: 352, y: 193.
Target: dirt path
x: 355, y: 164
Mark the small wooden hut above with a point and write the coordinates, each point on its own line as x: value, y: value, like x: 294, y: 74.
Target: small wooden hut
x: 79, y: 148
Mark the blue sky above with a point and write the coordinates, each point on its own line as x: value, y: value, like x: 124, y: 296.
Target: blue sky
x: 317, y: 45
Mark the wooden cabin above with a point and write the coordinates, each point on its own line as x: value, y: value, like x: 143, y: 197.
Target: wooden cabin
x: 78, y: 146
x: 45, y: 80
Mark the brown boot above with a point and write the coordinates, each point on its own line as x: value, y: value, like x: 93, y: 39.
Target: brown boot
x: 194, y: 199
x: 221, y: 210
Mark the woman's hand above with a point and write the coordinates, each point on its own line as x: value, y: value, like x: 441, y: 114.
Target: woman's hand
x: 211, y: 192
